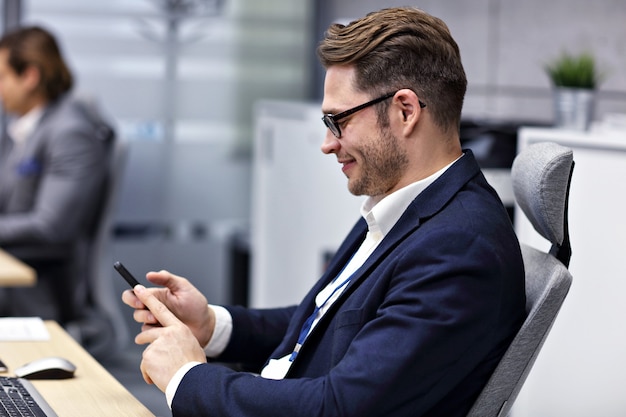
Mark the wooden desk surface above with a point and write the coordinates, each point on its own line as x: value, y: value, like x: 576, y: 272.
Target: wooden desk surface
x: 15, y: 273
x: 93, y: 391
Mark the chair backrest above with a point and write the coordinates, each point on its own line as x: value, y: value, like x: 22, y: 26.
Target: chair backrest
x: 100, y: 265
x: 541, y: 176
x: 103, y: 329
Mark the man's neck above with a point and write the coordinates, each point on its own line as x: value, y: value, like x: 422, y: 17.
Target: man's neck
x: 33, y: 102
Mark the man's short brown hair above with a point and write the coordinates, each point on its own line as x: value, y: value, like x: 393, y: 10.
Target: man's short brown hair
x: 36, y: 47
x: 399, y: 48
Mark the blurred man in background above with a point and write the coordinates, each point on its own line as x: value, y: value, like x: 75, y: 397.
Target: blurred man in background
x: 53, y: 165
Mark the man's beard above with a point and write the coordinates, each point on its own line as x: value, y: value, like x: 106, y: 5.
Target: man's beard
x: 382, y: 165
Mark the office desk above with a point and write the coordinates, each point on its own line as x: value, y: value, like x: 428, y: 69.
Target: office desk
x: 92, y: 392
x: 15, y: 273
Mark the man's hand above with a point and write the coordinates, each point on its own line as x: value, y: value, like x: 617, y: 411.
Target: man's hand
x: 181, y: 298
x: 171, y: 345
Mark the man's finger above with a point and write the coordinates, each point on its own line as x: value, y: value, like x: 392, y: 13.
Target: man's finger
x: 145, y: 375
x: 164, y: 278
x: 144, y: 316
x: 157, y: 308
x: 129, y: 298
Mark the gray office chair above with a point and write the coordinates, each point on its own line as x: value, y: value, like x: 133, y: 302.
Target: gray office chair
x: 103, y: 329
x: 541, y: 176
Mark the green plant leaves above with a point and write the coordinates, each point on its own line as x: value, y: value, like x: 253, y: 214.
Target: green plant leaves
x: 576, y: 71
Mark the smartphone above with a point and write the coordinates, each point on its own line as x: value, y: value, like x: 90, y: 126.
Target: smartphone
x: 132, y: 281
x: 125, y: 274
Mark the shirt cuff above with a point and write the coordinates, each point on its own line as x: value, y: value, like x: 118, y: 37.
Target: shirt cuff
x: 221, y: 333
x: 172, y: 386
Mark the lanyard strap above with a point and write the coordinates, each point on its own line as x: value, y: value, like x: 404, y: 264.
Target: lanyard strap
x: 368, y: 244
x: 306, y: 327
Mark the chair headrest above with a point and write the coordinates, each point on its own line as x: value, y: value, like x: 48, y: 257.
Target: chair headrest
x: 541, y: 176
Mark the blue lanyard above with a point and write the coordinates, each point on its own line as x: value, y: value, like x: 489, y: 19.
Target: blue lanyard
x: 306, y: 327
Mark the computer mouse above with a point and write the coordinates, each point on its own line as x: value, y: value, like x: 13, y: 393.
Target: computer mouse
x: 52, y: 367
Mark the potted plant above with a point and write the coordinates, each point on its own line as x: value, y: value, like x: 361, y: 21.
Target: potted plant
x: 575, y: 79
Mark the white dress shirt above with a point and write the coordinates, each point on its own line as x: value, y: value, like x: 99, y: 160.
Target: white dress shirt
x: 21, y: 128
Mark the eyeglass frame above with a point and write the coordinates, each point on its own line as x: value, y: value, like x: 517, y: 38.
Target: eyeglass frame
x: 330, y: 120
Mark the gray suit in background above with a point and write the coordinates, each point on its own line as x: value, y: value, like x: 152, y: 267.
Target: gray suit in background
x: 50, y: 188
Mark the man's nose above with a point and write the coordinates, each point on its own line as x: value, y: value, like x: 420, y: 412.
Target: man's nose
x: 331, y: 143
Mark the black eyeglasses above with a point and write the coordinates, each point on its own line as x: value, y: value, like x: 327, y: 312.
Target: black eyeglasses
x: 330, y: 120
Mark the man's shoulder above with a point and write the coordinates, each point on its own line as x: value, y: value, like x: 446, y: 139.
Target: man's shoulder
x: 76, y: 113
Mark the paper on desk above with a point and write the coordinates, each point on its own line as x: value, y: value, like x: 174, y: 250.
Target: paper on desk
x: 22, y: 329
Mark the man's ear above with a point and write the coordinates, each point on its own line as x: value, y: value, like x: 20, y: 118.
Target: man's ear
x: 31, y: 77
x: 409, y: 109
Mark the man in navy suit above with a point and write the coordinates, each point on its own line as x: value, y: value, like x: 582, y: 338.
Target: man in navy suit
x: 422, y: 298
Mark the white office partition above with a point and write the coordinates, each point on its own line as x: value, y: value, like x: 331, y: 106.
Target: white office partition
x: 301, y: 206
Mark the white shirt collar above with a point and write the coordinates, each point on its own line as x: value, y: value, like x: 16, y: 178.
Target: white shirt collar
x: 383, y: 216
x: 21, y: 128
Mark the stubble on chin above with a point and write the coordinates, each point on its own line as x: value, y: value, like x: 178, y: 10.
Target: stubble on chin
x: 379, y: 168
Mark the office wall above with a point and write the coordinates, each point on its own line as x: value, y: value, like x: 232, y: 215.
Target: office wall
x: 188, y: 183
x: 219, y: 65
x: 189, y: 116
x: 505, y: 43
x: 187, y: 113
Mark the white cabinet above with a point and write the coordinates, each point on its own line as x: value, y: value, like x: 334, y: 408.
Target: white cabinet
x: 581, y: 370
x: 301, y: 206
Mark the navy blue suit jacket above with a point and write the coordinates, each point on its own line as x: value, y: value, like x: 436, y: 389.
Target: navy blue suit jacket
x: 418, y: 331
